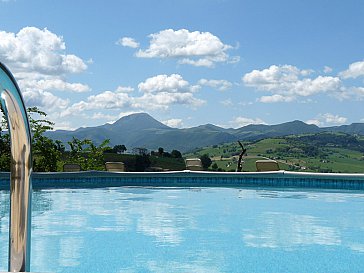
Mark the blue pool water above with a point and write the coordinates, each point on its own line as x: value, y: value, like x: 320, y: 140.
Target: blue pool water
x: 193, y: 230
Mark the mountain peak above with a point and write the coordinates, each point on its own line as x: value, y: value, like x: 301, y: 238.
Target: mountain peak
x: 139, y: 121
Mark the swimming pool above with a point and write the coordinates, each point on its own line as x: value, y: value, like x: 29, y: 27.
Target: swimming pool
x: 209, y: 229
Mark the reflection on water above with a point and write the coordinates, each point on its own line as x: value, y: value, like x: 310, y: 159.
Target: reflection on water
x: 192, y: 230
x: 285, y: 230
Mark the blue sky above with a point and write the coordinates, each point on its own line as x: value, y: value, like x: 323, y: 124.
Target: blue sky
x: 186, y: 63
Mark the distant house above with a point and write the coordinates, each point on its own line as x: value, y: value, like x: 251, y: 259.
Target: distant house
x: 140, y: 151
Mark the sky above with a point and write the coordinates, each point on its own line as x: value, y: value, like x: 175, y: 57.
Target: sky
x: 187, y: 63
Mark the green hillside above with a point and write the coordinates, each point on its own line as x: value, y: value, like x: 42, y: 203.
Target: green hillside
x: 322, y: 152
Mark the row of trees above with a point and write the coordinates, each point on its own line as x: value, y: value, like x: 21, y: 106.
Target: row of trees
x: 162, y: 153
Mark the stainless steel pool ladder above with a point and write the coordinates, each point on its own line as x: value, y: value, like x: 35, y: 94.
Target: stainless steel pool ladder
x: 20, y: 172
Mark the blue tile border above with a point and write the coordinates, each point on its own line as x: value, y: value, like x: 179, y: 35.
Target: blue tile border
x: 280, y: 179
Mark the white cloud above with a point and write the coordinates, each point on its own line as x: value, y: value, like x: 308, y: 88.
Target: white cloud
x: 244, y: 121
x: 38, y: 60
x: 52, y: 84
x: 164, y: 100
x: 159, y: 93
x: 124, y: 89
x: 45, y: 100
x: 314, y: 122
x: 327, y: 119
x: 100, y: 115
x: 128, y: 42
x: 355, y: 70
x: 174, y: 123
x: 334, y: 119
x: 163, y: 83
x: 37, y: 50
x: 275, y: 98
x: 220, y: 85
x: 195, y: 48
x: 287, y: 83
x: 64, y: 125
x: 104, y: 100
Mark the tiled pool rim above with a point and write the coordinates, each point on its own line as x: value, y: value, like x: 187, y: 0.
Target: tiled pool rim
x: 277, y: 179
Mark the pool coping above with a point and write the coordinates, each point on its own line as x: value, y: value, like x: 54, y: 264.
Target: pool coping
x: 186, y: 178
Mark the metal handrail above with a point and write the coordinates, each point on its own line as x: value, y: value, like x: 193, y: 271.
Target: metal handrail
x: 21, y: 170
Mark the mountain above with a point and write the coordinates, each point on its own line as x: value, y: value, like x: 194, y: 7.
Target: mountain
x: 142, y: 130
x: 255, y: 132
x: 355, y: 128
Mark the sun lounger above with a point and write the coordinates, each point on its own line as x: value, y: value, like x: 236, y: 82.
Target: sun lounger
x: 71, y: 167
x: 115, y: 166
x: 266, y: 165
x: 194, y: 164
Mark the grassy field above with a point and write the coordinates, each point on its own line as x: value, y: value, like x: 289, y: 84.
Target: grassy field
x: 328, y: 159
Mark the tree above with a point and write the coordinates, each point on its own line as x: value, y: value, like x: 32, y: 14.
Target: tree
x: 160, y: 151
x: 214, y: 167
x: 86, y: 154
x: 142, y: 162
x: 119, y: 149
x: 176, y: 154
x: 4, y: 151
x: 4, y: 145
x: 205, y: 161
x: 46, y: 152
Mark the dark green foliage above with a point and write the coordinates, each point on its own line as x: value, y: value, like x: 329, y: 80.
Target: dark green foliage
x: 46, y: 152
x: 206, y: 161
x: 4, y: 151
x: 119, y: 149
x: 176, y: 154
x: 4, y: 145
x: 142, y: 162
x: 86, y: 154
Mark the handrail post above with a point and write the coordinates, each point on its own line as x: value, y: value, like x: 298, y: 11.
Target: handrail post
x: 20, y: 172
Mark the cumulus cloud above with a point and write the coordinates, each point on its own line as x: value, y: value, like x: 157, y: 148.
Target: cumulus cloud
x: 45, y: 100
x: 158, y: 93
x: 244, y: 121
x: 358, y: 91
x: 38, y: 50
x: 164, y: 83
x: 287, y: 83
x: 38, y: 59
x: 355, y: 70
x: 221, y: 85
x: 164, y: 100
x: 52, y: 84
x: 104, y: 100
x: 128, y: 42
x: 327, y: 119
x: 174, y: 123
x: 275, y: 98
x: 195, y: 48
